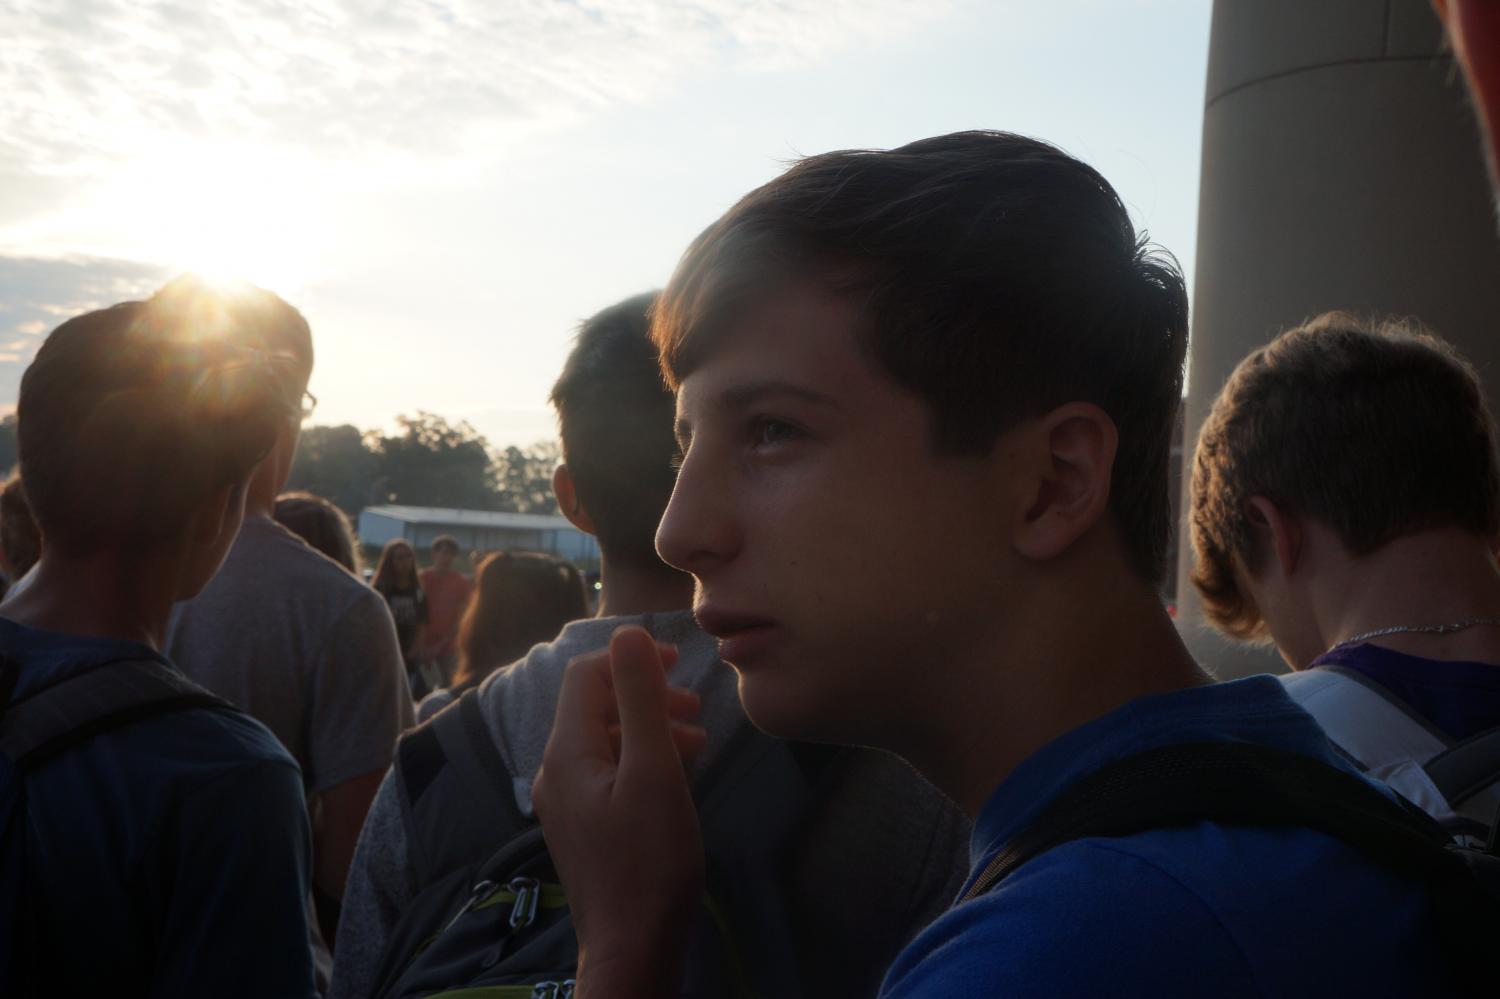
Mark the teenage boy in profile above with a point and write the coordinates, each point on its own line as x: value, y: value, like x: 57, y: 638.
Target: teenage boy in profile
x: 168, y: 855
x: 876, y: 855
x: 925, y: 400
x: 1364, y: 549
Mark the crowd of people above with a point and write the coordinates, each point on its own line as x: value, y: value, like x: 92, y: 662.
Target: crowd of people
x: 880, y: 485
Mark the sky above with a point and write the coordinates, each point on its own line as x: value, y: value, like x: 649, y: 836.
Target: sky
x: 445, y: 188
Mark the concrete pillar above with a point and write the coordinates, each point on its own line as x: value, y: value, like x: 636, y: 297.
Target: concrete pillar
x: 1341, y: 170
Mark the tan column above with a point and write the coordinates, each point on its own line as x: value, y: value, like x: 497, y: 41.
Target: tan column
x: 1341, y: 170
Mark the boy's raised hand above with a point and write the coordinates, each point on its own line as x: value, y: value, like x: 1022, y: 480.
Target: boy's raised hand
x: 619, y: 818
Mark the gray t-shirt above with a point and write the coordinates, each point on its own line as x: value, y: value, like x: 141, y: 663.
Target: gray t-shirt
x: 881, y: 857
x: 304, y: 647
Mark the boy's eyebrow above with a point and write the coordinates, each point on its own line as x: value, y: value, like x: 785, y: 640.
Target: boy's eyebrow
x: 746, y: 396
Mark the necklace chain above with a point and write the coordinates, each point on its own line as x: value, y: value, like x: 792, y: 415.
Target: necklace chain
x: 1425, y: 629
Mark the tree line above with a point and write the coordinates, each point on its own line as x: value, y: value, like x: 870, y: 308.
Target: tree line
x: 428, y: 461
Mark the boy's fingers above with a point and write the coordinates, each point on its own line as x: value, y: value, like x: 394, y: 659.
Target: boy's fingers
x: 689, y: 740
x: 584, y: 708
x: 683, y: 704
x: 669, y: 656
x: 641, y: 693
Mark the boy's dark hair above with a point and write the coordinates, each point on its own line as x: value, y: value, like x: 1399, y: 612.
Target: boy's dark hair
x: 447, y: 541
x: 321, y: 524
x: 1375, y: 430
x: 259, y: 318
x: 131, y: 416
x: 998, y: 278
x: 615, y: 415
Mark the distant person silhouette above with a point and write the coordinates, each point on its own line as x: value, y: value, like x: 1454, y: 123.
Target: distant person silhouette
x: 396, y: 580
x: 447, y: 591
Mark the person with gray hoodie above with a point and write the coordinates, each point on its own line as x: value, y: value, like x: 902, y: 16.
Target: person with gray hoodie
x: 881, y: 853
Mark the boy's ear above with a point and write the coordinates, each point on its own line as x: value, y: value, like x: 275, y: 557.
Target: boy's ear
x: 1070, y: 485
x: 1276, y: 531
x: 568, y: 501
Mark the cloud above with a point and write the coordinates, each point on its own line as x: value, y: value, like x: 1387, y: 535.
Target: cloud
x: 88, y: 82
x: 36, y: 294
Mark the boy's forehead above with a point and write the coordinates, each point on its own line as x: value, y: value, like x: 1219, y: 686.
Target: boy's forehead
x: 801, y: 339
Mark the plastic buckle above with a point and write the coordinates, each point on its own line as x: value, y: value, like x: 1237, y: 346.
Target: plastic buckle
x: 528, y: 893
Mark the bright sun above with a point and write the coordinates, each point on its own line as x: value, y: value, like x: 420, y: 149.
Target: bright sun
x: 224, y: 212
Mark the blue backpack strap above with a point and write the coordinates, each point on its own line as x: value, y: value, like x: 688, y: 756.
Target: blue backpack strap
x: 44, y: 724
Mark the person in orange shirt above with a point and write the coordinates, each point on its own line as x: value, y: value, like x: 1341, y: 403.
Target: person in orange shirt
x: 448, y: 592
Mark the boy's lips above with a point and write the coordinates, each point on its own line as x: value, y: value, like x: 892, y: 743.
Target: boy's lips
x: 741, y: 636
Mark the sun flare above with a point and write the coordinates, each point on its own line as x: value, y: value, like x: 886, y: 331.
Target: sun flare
x: 225, y: 212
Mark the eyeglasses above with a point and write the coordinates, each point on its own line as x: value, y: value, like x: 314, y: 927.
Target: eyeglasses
x: 309, y: 403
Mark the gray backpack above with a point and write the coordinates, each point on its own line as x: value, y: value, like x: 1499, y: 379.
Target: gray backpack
x: 1458, y: 784
x: 492, y: 919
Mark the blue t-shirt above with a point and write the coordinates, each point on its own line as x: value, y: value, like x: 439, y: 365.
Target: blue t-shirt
x: 1209, y: 910
x: 1460, y: 698
x: 172, y: 855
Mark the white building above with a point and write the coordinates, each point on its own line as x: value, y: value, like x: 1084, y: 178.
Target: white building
x: 480, y: 530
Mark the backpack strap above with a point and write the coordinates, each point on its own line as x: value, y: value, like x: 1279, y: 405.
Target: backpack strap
x: 1364, y: 719
x: 1238, y: 784
x: 1468, y: 768
x: 472, y: 752
x: 111, y: 695
x: 454, y: 756
x: 1242, y: 784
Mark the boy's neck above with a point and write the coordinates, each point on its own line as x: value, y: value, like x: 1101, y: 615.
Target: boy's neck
x: 1437, y: 577
x: 627, y: 589
x: 1081, y: 652
x: 112, y: 595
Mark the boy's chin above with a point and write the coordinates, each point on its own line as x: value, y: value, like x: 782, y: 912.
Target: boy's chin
x: 787, y: 713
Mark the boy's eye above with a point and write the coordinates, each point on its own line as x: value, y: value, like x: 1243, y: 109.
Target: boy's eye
x: 769, y: 432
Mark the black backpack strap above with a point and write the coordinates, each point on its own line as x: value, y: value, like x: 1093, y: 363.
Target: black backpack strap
x: 1231, y: 784
x: 1467, y: 768
x: 1247, y: 785
x: 455, y: 745
x: 111, y: 695
x: 472, y: 751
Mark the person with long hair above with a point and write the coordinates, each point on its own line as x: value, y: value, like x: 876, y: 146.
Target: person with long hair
x: 396, y: 580
x: 521, y: 599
